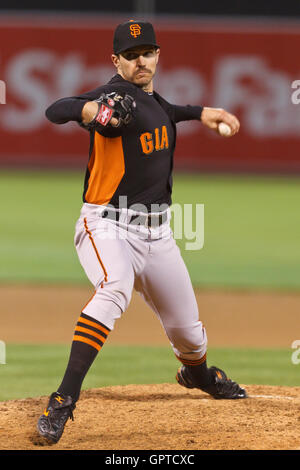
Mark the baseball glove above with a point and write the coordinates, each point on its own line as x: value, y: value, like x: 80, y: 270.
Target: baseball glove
x: 113, y: 105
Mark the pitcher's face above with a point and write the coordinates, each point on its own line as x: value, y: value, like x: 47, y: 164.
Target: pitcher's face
x: 137, y: 65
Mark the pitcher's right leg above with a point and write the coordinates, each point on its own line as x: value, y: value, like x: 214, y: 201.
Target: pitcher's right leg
x: 106, y: 260
x: 109, y: 267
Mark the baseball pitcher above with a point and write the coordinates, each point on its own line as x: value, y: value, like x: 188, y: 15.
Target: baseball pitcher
x: 123, y: 236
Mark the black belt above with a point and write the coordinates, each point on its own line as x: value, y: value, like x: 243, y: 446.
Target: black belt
x: 147, y: 220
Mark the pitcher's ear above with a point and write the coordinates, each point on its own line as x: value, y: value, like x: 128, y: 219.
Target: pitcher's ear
x: 157, y: 54
x: 115, y: 59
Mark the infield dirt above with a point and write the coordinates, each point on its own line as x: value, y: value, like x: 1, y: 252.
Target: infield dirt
x: 164, y: 416
x: 48, y: 314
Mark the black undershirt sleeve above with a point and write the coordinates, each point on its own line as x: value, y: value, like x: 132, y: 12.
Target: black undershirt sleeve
x: 70, y: 109
x: 186, y: 113
x: 180, y: 113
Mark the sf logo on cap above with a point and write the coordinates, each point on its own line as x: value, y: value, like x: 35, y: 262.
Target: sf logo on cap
x: 135, y: 30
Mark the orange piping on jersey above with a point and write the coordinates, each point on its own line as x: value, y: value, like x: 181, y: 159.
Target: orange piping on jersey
x: 89, y: 300
x: 106, y: 168
x: 95, y: 248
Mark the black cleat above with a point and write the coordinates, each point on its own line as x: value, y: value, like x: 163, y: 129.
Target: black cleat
x: 221, y: 388
x: 52, y: 422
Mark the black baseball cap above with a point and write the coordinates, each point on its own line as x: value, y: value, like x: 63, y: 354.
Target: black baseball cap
x: 133, y: 33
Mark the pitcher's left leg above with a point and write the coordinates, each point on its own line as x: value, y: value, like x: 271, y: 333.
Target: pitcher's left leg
x: 166, y: 286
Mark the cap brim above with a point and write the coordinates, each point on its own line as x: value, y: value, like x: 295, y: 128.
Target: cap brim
x: 134, y: 47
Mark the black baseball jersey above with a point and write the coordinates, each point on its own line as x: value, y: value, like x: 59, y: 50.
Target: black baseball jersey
x: 133, y: 161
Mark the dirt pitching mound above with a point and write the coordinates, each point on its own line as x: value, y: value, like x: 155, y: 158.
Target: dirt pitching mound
x: 159, y: 417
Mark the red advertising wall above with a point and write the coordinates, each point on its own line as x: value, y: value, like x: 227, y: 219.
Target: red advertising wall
x: 249, y: 69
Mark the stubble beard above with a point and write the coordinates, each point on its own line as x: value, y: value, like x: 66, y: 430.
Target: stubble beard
x: 145, y: 82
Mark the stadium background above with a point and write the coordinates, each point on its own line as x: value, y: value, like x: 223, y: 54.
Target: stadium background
x: 247, y: 276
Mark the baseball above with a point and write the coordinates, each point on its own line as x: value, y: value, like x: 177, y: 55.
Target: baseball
x: 224, y: 129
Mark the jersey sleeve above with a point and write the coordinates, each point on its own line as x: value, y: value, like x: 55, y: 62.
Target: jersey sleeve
x: 70, y: 109
x: 180, y: 113
x: 186, y: 113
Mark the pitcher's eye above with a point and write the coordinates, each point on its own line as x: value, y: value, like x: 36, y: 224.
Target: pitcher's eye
x: 130, y: 55
x: 135, y: 55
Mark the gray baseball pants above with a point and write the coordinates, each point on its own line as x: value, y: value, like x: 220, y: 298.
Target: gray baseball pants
x: 118, y: 257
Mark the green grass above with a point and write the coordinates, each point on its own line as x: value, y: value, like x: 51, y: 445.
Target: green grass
x: 36, y: 370
x: 252, y: 229
x: 38, y: 221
